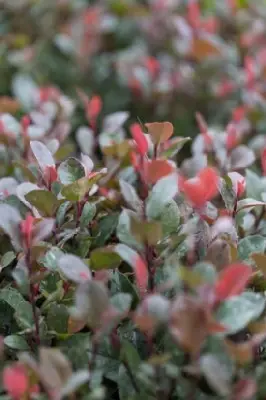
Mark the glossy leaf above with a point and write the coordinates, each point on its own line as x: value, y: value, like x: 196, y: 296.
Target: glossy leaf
x: 70, y: 171
x: 236, y: 313
x: 232, y: 281
x: 44, y: 201
x: 156, y: 202
x: 74, y: 269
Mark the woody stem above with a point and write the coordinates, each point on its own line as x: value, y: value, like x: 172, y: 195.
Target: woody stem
x: 32, y: 299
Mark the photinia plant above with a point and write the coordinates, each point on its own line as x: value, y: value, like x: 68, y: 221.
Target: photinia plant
x: 133, y: 252
x: 132, y: 271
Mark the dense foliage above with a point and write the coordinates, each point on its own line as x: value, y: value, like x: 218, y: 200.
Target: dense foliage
x: 132, y: 253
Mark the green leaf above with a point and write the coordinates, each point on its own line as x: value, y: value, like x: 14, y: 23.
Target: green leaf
x: 176, y: 145
x: 130, y: 195
x: 250, y: 245
x: 104, y: 258
x: 121, y: 283
x: 76, y: 348
x: 149, y: 232
x: 227, y: 193
x: 74, y: 269
x: 88, y: 213
x: 168, y: 186
x: 122, y: 302
x: 77, y: 190
x: 44, y: 200
x: 107, y: 225
x: 255, y: 185
x: 249, y: 204
x: 237, y: 312
x: 57, y: 318
x: 9, y: 223
x: 123, y: 231
x: 217, y: 374
x: 7, y: 259
x: 206, y: 272
x: 61, y: 213
x: 50, y: 259
x: 16, y: 342
x: 170, y: 218
x: 22, y: 308
x: 70, y: 171
x: 125, y: 387
x: 42, y: 154
x: 76, y: 380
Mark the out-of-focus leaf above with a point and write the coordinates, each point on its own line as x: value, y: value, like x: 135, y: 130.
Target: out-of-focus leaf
x: 42, y: 154
x: 74, y: 268
x: 236, y: 313
x: 57, y: 318
x: 217, y: 375
x: 76, y: 380
x: 7, y: 259
x: 16, y: 342
x: 250, y: 245
x: 9, y: 223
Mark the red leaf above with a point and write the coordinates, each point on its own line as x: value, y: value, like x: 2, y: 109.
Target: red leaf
x: 232, y: 281
x: 202, y: 188
x: 141, y: 273
x: 157, y: 169
x: 26, y: 229
x: 153, y: 66
x: 232, y: 137
x: 263, y: 161
x: 239, y: 113
x: 160, y: 132
x: 15, y: 381
x: 140, y: 139
x: 193, y: 16
x: 250, y: 71
x: 94, y: 107
x: 50, y: 175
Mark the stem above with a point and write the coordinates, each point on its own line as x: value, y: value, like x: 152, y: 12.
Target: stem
x: 32, y: 299
x: 149, y: 261
x: 117, y: 345
x: 131, y: 376
x: 258, y: 220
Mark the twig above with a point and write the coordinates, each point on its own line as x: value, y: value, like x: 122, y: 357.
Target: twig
x: 32, y: 299
x: 131, y: 376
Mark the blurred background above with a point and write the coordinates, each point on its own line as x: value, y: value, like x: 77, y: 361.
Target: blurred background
x: 157, y: 59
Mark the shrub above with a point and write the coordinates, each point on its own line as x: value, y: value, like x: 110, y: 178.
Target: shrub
x: 130, y: 275
x: 132, y: 252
